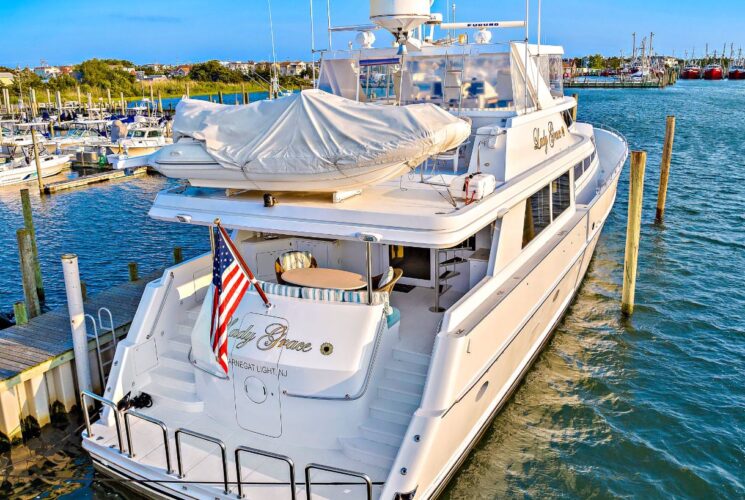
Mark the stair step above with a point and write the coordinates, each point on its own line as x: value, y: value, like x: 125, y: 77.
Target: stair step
x: 180, y: 344
x: 410, y: 372
x: 401, y: 391
x: 449, y: 275
x: 412, y: 357
x: 174, y: 359
x: 184, y: 330
x: 382, y: 431
x: 369, y: 452
x: 453, y: 261
x: 392, y: 411
x: 175, y: 378
x: 192, y: 314
x: 186, y: 401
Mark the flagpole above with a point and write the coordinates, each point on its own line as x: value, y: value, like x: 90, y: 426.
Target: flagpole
x: 212, y: 237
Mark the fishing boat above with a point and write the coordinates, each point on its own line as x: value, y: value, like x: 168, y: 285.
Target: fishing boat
x: 691, y: 72
x: 736, y: 72
x: 80, y: 134
x: 713, y: 72
x: 385, y: 327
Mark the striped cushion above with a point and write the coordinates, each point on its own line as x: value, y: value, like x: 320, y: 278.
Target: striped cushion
x: 283, y: 290
x: 361, y: 298
x: 327, y: 294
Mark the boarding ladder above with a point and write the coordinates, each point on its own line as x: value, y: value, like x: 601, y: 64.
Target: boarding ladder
x: 101, y: 349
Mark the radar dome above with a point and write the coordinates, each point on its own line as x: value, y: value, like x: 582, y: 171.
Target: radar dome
x: 399, y: 15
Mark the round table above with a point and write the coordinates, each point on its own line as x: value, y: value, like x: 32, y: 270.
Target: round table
x: 318, y: 277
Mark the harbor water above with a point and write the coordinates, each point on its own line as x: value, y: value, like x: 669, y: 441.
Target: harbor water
x: 649, y: 407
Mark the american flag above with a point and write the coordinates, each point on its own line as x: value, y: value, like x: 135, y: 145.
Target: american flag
x: 231, y: 283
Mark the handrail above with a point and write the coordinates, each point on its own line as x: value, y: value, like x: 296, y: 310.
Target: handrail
x: 368, y: 373
x: 152, y: 420
x: 98, y: 350
x: 267, y: 454
x: 203, y: 437
x: 162, y: 305
x: 111, y: 322
x: 335, y: 470
x: 105, y: 402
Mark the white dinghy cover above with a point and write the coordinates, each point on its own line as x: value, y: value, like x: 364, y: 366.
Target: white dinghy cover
x: 310, y: 141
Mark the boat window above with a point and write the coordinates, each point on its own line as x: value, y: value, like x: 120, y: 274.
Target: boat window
x: 537, y: 215
x: 560, y: 200
x: 136, y: 134
x: 567, y: 116
x: 556, y: 75
x: 154, y: 133
x: 578, y: 170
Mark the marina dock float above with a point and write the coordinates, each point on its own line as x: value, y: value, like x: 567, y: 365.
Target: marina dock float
x: 96, y: 178
x: 37, y: 378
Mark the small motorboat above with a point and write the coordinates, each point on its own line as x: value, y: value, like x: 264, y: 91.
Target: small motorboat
x: 15, y: 170
x: 309, y: 141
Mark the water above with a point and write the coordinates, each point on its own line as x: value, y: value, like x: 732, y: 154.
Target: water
x: 651, y: 407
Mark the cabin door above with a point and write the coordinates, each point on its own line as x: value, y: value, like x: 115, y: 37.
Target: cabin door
x: 255, y: 374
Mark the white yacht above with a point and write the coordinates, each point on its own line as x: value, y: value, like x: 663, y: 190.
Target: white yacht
x: 17, y: 164
x: 144, y: 137
x: 333, y: 392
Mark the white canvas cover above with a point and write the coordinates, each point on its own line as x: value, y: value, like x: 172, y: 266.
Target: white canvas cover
x: 316, y: 133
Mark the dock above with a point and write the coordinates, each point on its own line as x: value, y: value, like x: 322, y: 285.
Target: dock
x: 669, y: 77
x: 95, y: 178
x: 37, y: 370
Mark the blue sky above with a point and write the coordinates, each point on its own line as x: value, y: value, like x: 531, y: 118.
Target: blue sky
x: 65, y: 32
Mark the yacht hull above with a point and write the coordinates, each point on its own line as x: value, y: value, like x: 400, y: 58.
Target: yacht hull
x: 49, y: 168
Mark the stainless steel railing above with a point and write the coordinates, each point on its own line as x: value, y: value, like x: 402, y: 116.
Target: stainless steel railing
x: 268, y: 454
x: 147, y: 418
x: 106, y: 402
x: 203, y: 437
x: 335, y: 470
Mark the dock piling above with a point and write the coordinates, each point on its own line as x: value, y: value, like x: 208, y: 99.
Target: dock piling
x: 20, y: 313
x: 178, y: 255
x: 667, y: 154
x: 84, y: 290
x: 39, y: 177
x: 220, y: 97
x: 77, y: 320
x: 27, y: 273
x: 576, y: 105
x: 132, y: 271
x: 28, y: 222
x: 633, y: 230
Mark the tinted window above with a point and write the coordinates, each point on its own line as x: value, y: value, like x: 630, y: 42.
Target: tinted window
x: 537, y: 214
x: 578, y: 171
x: 560, y: 195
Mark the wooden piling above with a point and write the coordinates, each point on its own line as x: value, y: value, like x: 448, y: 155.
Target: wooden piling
x: 246, y: 98
x: 160, y: 103
x: 667, y: 154
x: 576, y: 105
x: 187, y: 90
x: 178, y: 255
x: 20, y: 313
x: 219, y: 97
x: 133, y: 271
x: 633, y: 230
x: 28, y: 222
x: 39, y: 177
x: 27, y: 273
x: 84, y: 290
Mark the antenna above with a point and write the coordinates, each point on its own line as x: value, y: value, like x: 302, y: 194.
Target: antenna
x: 312, y: 45
x: 328, y: 21
x: 273, y: 74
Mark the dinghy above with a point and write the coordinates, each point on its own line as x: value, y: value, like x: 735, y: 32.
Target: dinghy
x: 309, y: 141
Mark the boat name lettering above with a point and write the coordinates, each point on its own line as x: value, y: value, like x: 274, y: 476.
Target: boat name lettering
x: 548, y: 138
x: 274, y: 336
x: 253, y: 367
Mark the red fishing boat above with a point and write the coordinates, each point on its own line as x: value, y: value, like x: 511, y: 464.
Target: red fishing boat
x: 736, y: 73
x: 713, y: 72
x: 691, y: 72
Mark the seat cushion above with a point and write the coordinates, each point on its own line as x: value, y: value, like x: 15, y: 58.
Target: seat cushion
x: 386, y: 278
x: 295, y: 260
x: 327, y: 294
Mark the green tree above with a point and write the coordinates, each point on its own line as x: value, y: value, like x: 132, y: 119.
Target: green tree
x: 597, y: 61
x: 213, y: 71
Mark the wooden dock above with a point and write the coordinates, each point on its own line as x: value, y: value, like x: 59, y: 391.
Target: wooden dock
x: 36, y: 360
x: 96, y: 178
